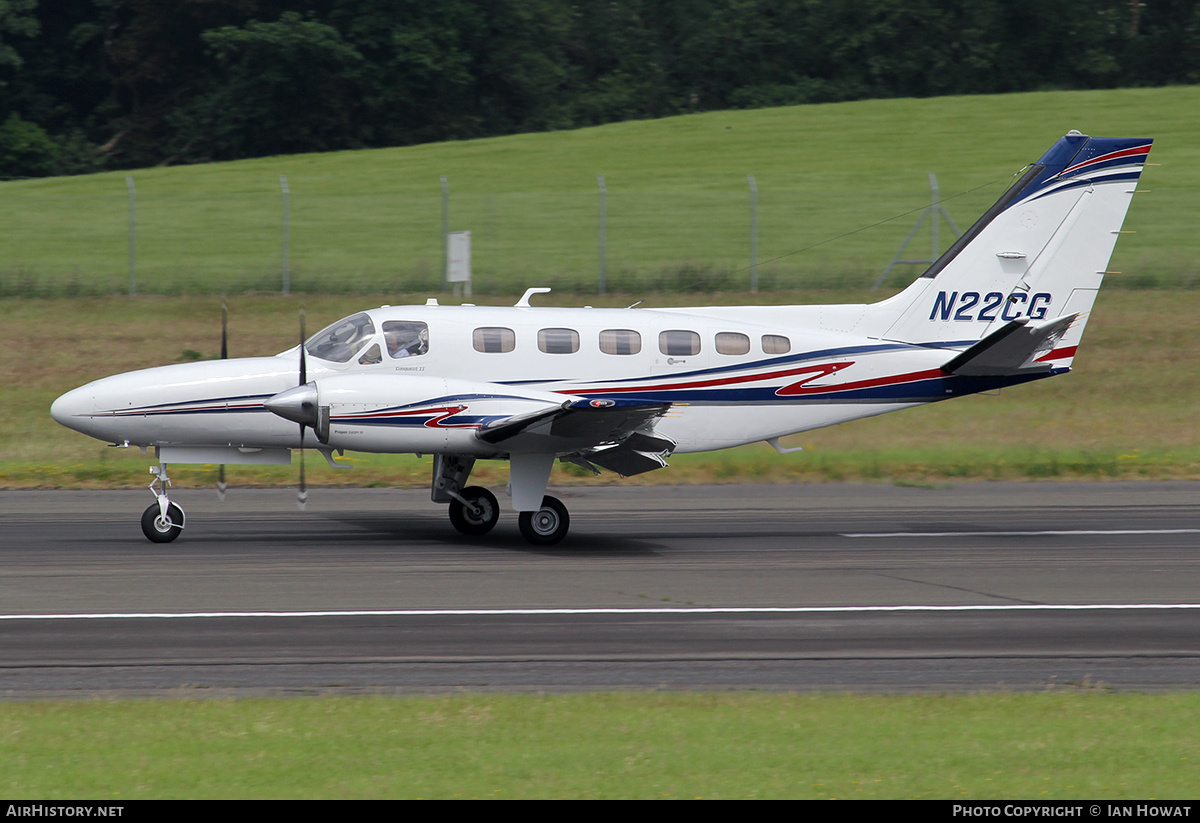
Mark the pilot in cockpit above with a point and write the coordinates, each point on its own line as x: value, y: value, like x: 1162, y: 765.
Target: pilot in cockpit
x: 405, y: 339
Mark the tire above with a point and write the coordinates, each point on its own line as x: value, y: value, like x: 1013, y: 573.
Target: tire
x: 546, y: 526
x: 475, y: 524
x: 156, y: 530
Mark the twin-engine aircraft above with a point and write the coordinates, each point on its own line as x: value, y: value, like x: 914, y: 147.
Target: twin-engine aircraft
x: 623, y: 389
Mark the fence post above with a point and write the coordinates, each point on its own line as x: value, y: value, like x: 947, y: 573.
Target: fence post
x: 132, y: 234
x: 603, y: 233
x: 287, y: 219
x: 753, y: 234
x: 445, y: 232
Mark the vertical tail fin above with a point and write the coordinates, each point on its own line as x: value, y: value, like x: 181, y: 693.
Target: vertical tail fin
x: 1039, y: 253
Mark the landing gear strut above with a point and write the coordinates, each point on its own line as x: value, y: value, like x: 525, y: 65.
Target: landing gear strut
x: 474, y: 510
x: 163, y: 520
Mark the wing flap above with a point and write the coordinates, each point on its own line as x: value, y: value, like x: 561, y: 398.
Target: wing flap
x: 626, y: 461
x: 577, y: 426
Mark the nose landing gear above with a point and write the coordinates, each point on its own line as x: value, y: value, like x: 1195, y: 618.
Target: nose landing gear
x: 163, y: 520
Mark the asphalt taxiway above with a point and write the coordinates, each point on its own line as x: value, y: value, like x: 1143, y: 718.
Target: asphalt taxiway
x: 864, y: 587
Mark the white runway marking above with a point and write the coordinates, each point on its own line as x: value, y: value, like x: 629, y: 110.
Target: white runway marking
x: 646, y: 611
x: 1024, y: 534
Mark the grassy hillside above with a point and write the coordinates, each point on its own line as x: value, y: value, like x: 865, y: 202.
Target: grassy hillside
x: 678, y: 202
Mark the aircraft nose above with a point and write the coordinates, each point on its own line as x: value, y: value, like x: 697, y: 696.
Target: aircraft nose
x: 74, y: 408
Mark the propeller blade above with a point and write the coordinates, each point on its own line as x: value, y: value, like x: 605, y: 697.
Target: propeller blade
x: 302, y: 494
x: 224, y: 356
x: 303, y: 362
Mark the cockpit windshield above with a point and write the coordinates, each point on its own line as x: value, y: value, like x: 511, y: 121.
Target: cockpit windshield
x: 342, y: 340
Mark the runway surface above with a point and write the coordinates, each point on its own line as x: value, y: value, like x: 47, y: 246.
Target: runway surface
x: 863, y: 587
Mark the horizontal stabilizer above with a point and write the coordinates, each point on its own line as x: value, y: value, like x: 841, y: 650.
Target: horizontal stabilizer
x: 1015, y: 348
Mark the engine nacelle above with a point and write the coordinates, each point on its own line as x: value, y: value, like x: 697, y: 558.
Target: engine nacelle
x: 410, y: 413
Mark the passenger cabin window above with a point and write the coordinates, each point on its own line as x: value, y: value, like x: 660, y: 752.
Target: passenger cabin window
x: 406, y: 338
x: 776, y: 344
x: 558, y: 341
x: 679, y: 343
x: 732, y: 342
x: 341, y: 341
x: 620, y: 341
x: 494, y: 339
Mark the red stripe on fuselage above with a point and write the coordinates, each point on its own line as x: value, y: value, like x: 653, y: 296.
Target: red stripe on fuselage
x: 442, y: 412
x: 816, y: 371
x: 910, y: 377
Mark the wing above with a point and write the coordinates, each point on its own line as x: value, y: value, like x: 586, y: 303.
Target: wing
x: 615, y: 435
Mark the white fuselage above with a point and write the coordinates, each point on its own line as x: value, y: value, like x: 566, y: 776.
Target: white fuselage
x: 734, y: 375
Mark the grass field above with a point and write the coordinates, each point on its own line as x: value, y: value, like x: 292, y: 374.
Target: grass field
x: 1072, y: 743
x: 1128, y: 410
x: 678, y: 202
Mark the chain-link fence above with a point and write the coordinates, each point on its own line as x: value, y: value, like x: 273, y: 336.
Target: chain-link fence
x: 107, y: 235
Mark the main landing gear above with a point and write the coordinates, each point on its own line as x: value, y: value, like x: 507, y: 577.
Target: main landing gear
x: 163, y: 520
x: 474, y: 510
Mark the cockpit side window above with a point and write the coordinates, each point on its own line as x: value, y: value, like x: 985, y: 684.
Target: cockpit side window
x: 406, y: 338
x: 370, y: 357
x: 342, y: 340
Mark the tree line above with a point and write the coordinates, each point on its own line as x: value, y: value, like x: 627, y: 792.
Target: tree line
x: 87, y: 85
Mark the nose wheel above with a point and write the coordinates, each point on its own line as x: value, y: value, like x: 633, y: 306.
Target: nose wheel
x: 546, y: 526
x: 159, y: 527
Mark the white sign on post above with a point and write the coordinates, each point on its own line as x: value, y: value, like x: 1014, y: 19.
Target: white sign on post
x: 458, y: 261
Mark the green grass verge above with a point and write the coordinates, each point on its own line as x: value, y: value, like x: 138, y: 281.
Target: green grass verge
x: 1128, y: 412
x: 1066, y: 744
x: 678, y: 202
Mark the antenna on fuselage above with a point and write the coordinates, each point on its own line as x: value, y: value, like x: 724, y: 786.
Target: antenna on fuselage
x: 523, y: 303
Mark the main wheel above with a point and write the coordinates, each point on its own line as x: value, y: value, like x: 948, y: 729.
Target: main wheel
x: 158, y: 530
x: 546, y: 526
x: 480, y: 521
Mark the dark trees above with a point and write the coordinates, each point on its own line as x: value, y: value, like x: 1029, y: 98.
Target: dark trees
x: 119, y: 83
